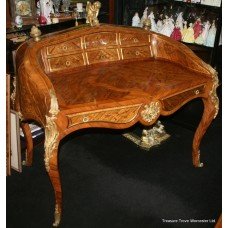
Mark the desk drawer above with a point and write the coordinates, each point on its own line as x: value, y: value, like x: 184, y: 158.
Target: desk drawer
x: 102, y: 55
x: 136, y: 52
x: 102, y: 39
x: 65, y: 47
x: 134, y: 39
x: 118, y: 115
x: 65, y: 62
x: 172, y: 102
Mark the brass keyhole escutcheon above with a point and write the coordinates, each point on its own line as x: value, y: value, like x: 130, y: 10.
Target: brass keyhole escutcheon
x: 67, y: 63
x: 197, y: 92
x: 85, y: 119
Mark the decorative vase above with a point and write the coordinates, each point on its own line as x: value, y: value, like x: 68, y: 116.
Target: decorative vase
x: 42, y: 19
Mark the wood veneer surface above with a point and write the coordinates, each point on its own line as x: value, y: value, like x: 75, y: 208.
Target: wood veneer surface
x: 123, y: 81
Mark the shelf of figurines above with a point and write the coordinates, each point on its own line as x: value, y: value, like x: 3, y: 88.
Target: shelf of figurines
x: 194, y: 29
x: 47, y: 13
x: 200, y: 3
x: 55, y: 22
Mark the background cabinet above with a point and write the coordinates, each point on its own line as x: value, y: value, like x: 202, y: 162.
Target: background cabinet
x: 127, y: 9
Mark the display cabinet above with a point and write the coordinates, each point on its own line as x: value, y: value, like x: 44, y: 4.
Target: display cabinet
x: 191, y: 12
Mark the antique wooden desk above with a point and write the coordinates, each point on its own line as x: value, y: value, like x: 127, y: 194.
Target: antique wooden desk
x: 108, y: 77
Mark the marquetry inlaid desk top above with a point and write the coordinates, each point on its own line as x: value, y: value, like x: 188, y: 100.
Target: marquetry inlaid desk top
x: 110, y: 77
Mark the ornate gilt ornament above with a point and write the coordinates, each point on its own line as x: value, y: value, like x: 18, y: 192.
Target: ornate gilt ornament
x: 154, y: 47
x: 213, y: 93
x: 150, y: 137
x: 200, y: 165
x: 154, y: 136
x: 35, y: 33
x: 54, y: 103
x: 51, y: 131
x: 147, y: 24
x: 57, y: 216
x: 92, y: 11
x: 13, y: 94
x: 151, y: 111
x: 20, y: 116
x: 215, y: 81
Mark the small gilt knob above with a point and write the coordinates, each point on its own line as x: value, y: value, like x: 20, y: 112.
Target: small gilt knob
x: 35, y: 33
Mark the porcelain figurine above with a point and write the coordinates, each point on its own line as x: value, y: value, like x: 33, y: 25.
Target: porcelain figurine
x: 180, y: 20
x: 18, y: 21
x: 159, y: 26
x: 201, y: 39
x: 166, y: 29
x: 48, y: 10
x: 211, y: 36
x: 205, y: 31
x: 42, y: 19
x: 144, y: 16
x: 176, y: 34
x: 197, y: 27
x: 171, y: 23
x: 184, y: 30
x: 136, y: 20
x: 153, y: 23
x: 189, y: 35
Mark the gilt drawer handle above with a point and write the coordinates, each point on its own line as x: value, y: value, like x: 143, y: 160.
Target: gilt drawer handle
x: 197, y: 92
x: 85, y: 119
x: 67, y: 63
x: 135, y: 40
x: 64, y: 48
x: 137, y: 52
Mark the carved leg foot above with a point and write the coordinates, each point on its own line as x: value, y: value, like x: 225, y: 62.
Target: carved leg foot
x: 29, y: 144
x: 208, y: 115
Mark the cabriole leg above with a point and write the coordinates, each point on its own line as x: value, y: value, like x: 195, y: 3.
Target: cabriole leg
x: 29, y: 143
x: 51, y: 164
x: 208, y: 115
x: 53, y: 172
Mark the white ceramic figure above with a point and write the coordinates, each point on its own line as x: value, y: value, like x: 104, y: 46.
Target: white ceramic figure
x: 18, y: 21
x: 144, y: 16
x: 171, y: 22
x: 48, y: 9
x: 166, y: 29
x: 38, y: 8
x: 180, y: 20
x: 159, y: 26
x: 153, y: 23
x: 79, y: 7
x: 211, y: 36
x: 205, y: 31
x: 189, y: 35
x: 136, y: 20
